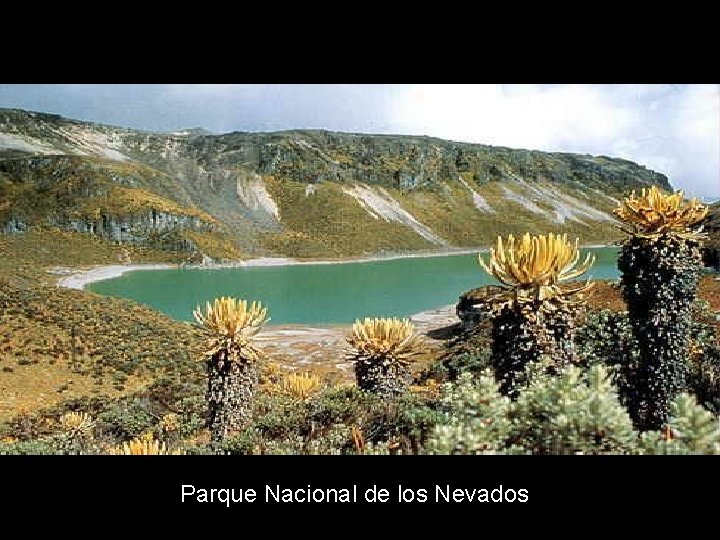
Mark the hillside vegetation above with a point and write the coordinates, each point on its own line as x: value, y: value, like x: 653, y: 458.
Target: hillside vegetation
x: 296, y: 193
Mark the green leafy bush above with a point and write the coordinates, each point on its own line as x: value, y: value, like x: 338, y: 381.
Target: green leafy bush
x: 474, y: 417
x: 248, y: 441
x: 324, y: 424
x: 127, y: 418
x: 339, y: 405
x: 279, y: 416
x: 468, y: 362
x: 693, y: 430
x: 605, y: 338
x: 34, y: 448
x: 576, y: 413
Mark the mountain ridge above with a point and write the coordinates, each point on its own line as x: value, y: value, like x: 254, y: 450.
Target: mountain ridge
x: 302, y: 193
x: 203, y: 132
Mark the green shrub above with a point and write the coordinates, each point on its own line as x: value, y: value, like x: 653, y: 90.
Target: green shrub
x: 474, y: 417
x: 325, y: 424
x: 29, y: 448
x: 468, y: 362
x: 247, y: 442
x: 405, y: 421
x: 198, y: 450
x: 693, y: 429
x: 333, y: 441
x: 605, y: 338
x: 576, y: 413
x: 470, y: 351
x: 694, y: 426
x: 127, y: 418
x: 279, y: 416
x: 340, y: 406
x: 192, y: 415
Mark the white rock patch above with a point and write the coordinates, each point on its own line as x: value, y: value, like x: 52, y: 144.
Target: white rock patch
x: 318, y: 151
x: 91, y: 143
x: 252, y: 192
x: 170, y: 150
x: 565, y: 206
x: 380, y: 205
x: 520, y: 199
x: 83, y: 142
x: 478, y: 200
x: 12, y: 141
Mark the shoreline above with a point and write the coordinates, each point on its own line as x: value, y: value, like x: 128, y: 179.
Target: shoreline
x: 78, y: 278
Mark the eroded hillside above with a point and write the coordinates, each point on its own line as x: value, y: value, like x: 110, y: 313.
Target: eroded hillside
x: 296, y: 193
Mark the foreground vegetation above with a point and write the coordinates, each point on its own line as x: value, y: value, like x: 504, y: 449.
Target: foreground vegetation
x: 86, y: 374
x: 453, y: 406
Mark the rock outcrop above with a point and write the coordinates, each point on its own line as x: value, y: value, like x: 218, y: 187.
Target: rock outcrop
x: 300, y: 193
x: 472, y: 309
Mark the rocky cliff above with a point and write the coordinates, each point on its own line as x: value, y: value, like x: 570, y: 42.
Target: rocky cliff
x: 298, y: 193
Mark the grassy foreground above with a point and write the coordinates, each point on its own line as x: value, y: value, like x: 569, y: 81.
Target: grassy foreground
x: 137, y: 372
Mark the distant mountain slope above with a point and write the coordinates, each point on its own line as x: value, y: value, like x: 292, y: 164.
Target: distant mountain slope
x: 297, y: 193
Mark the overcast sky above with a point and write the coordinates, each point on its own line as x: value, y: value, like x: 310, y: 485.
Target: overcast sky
x: 674, y: 129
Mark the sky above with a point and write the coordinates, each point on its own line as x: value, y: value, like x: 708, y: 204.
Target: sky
x: 673, y: 129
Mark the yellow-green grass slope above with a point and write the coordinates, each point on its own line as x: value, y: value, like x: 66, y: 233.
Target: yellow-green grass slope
x: 331, y: 223
x: 57, y: 344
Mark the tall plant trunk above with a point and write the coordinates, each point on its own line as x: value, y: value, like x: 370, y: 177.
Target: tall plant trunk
x: 231, y: 387
x: 384, y: 378
x: 660, y: 280
x: 522, y: 335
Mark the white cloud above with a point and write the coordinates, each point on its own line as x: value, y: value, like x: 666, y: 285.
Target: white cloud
x: 669, y: 128
x: 520, y: 116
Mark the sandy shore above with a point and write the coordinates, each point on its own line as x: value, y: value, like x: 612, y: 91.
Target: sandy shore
x: 284, y: 261
x: 77, y: 279
x: 281, y: 261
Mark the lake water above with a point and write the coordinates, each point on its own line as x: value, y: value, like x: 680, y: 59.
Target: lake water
x: 321, y: 293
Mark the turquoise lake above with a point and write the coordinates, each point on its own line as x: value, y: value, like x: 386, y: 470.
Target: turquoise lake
x: 321, y: 293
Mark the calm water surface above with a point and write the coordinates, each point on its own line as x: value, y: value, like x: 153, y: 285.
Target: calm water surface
x: 321, y: 293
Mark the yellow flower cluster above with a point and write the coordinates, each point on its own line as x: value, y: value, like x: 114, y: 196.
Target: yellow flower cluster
x: 144, y: 447
x: 390, y: 339
x: 299, y: 385
x: 230, y: 324
x: 77, y: 424
x: 533, y: 267
x: 654, y: 213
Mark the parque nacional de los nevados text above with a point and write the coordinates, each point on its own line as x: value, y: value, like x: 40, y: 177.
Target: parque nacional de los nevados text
x: 354, y: 494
